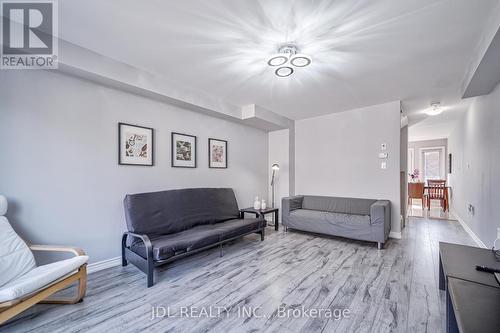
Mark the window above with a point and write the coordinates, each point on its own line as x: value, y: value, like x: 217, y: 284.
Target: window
x: 433, y: 163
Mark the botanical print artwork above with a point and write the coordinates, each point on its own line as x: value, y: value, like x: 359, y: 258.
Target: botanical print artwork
x: 183, y: 150
x: 217, y: 153
x: 136, y: 145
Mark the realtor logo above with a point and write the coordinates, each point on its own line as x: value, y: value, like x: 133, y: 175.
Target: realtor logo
x: 28, y: 30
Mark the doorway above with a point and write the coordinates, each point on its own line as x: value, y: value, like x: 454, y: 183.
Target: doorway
x: 427, y: 162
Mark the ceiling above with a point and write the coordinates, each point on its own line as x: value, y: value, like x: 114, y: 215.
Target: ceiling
x: 364, y: 52
x: 437, y: 127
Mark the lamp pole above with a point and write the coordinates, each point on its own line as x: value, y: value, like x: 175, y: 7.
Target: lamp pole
x: 275, y: 167
x: 272, y: 188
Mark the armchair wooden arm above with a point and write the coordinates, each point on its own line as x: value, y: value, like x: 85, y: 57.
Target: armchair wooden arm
x: 55, y: 248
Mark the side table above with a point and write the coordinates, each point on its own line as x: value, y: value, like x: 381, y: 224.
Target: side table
x: 263, y: 212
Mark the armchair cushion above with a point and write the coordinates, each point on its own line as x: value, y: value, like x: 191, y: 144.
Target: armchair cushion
x: 16, y: 258
x: 39, y: 277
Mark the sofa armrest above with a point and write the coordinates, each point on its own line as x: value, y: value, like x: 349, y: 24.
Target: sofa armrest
x: 380, y: 213
x: 289, y: 204
x: 250, y: 211
x: 143, y: 237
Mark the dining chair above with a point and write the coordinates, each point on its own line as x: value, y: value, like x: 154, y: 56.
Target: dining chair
x: 437, y: 190
x: 416, y: 191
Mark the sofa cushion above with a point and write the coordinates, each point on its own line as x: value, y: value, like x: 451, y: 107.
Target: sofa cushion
x: 40, y: 277
x: 167, y: 246
x: 169, y: 212
x: 235, y: 228
x: 345, y: 225
x: 338, y: 205
x: 16, y: 258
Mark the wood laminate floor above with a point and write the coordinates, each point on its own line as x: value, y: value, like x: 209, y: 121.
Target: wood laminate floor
x: 255, y: 283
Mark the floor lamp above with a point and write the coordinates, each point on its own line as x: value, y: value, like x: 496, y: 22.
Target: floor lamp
x: 275, y: 167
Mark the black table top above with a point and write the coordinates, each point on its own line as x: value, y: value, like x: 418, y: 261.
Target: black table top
x: 262, y: 211
x: 460, y: 261
x: 476, y: 306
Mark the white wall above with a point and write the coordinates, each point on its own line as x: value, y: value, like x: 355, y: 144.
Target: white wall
x: 279, y: 153
x: 475, y: 146
x: 337, y: 155
x: 58, y: 158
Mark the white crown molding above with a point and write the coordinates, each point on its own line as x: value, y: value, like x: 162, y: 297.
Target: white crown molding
x: 81, y: 62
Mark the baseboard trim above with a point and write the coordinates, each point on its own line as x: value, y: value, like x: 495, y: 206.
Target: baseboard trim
x: 100, y: 265
x: 471, y: 233
x: 394, y: 234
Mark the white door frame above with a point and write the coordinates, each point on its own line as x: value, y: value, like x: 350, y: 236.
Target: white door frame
x: 411, y: 160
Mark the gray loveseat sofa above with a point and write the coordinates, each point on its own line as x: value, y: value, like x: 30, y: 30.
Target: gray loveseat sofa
x: 361, y: 219
x: 168, y: 225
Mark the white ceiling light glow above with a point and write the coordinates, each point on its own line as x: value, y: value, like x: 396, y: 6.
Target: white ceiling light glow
x: 435, y: 109
x: 287, y: 57
x: 300, y: 60
x: 284, y: 71
x: 277, y: 60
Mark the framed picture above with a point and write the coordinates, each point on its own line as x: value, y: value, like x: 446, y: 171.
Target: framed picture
x: 135, y: 145
x: 449, y: 163
x: 217, y: 153
x: 183, y: 150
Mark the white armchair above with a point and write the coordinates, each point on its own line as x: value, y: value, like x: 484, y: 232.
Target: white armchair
x: 23, y: 283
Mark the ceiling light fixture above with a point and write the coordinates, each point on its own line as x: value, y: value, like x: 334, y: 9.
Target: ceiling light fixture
x: 300, y: 60
x: 287, y: 57
x: 435, y: 109
x: 277, y: 60
x: 284, y: 71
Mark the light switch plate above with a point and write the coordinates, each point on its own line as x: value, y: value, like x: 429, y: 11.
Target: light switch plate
x: 383, y: 146
x: 383, y: 165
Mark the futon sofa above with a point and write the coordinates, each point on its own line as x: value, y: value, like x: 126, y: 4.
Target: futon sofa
x: 361, y: 219
x: 168, y: 225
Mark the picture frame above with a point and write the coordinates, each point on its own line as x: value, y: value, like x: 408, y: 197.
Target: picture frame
x: 217, y: 153
x: 183, y: 150
x: 449, y: 163
x: 135, y: 145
